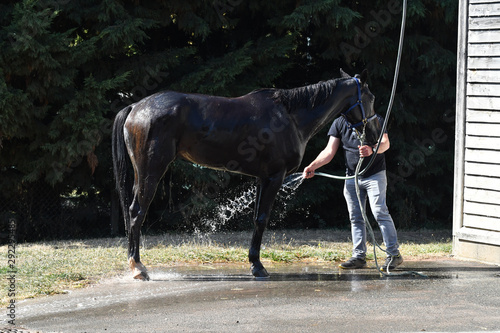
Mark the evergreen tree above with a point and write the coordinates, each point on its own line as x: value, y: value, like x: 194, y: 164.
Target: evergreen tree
x: 67, y: 67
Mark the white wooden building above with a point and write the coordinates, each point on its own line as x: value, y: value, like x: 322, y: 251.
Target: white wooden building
x: 476, y: 216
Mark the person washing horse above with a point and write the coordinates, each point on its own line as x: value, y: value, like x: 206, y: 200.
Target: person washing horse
x: 372, y: 184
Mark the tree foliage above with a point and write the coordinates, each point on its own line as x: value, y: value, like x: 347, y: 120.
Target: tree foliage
x: 67, y: 67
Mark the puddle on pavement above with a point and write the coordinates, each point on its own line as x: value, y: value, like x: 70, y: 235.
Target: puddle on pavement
x: 288, y: 272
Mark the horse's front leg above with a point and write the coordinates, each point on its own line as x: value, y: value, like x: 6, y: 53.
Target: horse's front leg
x: 266, y: 194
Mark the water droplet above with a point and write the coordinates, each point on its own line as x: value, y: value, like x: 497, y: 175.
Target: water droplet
x: 242, y: 203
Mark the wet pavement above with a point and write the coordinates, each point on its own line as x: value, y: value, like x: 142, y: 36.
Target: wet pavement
x: 456, y: 296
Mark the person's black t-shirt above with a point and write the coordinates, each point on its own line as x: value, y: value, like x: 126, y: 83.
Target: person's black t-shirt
x: 350, y: 143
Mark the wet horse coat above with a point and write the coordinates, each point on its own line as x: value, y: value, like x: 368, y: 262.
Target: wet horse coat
x: 262, y: 134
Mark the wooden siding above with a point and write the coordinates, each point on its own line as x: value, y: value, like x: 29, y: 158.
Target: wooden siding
x: 477, y: 153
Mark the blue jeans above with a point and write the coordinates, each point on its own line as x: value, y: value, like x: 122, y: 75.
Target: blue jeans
x: 375, y: 187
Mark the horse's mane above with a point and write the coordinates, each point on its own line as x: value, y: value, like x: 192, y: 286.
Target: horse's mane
x: 307, y: 96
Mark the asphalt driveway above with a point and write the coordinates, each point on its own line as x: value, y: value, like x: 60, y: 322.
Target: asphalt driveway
x: 456, y: 296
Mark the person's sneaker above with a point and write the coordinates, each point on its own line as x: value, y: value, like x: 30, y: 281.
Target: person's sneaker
x: 392, y: 262
x: 353, y: 263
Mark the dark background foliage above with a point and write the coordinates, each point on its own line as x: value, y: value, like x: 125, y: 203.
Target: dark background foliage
x: 68, y: 66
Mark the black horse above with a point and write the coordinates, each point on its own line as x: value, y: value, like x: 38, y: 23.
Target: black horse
x: 262, y: 134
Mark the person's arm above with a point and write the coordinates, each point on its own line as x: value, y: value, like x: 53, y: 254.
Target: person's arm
x: 385, y: 144
x: 323, y: 158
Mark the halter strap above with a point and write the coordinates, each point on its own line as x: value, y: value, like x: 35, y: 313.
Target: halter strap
x: 359, y: 103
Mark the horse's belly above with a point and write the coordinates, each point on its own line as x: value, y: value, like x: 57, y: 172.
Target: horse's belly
x: 212, y: 154
x: 249, y: 155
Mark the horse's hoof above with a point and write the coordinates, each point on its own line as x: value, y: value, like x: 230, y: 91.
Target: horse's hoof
x: 141, y: 276
x: 139, y: 271
x: 259, y: 272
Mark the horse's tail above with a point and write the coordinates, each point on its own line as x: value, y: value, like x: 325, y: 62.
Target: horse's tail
x: 121, y: 165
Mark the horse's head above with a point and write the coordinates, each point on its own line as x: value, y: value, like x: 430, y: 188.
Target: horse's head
x: 360, y: 113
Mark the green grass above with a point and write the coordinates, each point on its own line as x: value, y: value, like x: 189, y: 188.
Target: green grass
x: 55, y: 267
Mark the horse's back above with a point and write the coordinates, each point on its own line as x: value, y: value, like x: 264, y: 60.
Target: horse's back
x: 235, y: 134
x: 213, y: 108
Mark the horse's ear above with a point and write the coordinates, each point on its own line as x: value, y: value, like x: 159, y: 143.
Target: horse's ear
x: 344, y: 75
x: 364, y: 76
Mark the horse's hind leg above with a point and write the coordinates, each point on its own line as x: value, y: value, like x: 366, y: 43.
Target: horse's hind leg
x: 150, y: 164
x: 266, y: 194
x: 143, y: 194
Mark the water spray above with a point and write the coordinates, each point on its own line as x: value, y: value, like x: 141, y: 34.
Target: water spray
x: 243, y: 201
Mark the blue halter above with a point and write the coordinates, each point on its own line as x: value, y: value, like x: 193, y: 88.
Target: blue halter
x: 359, y: 103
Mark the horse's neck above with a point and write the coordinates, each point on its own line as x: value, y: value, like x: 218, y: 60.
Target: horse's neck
x: 310, y: 121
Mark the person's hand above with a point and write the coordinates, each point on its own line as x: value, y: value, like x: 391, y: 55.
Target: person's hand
x: 308, y: 172
x: 365, y: 151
